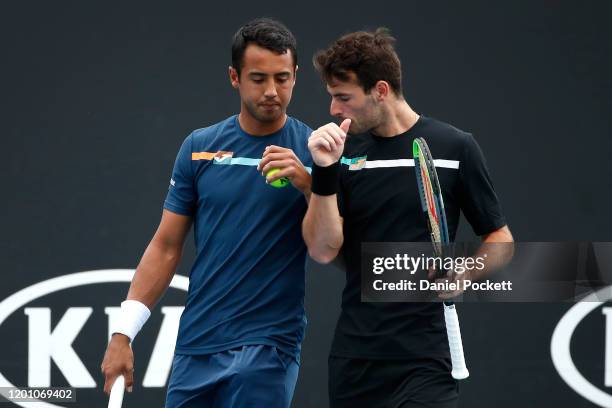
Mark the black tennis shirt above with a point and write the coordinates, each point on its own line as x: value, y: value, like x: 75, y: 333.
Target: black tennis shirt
x: 379, y: 201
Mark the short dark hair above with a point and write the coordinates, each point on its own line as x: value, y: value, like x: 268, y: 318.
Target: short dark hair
x: 370, y: 55
x: 266, y: 33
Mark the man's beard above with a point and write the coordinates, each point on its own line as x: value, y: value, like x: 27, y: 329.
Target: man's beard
x: 370, y: 119
x: 359, y: 127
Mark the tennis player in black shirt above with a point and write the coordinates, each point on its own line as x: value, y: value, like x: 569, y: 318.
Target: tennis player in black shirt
x: 387, y: 354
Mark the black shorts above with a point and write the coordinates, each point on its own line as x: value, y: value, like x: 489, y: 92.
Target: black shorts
x: 423, y: 383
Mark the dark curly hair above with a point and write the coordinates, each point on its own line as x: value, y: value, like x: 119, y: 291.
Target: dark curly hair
x: 267, y: 33
x: 370, y: 55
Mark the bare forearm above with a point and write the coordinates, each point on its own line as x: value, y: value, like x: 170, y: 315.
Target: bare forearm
x: 498, y: 248
x: 322, y: 228
x: 154, y: 273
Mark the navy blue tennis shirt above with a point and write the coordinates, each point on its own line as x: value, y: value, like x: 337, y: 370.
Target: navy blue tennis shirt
x: 246, y: 285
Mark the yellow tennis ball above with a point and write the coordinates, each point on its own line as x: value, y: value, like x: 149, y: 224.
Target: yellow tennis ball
x: 281, y: 182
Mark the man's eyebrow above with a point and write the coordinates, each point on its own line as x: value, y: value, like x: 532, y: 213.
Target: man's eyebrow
x: 335, y: 94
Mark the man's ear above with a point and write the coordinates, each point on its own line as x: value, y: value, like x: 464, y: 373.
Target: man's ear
x: 234, y: 78
x: 295, y: 74
x: 382, y: 90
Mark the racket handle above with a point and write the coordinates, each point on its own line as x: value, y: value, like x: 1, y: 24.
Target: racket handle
x: 455, y: 344
x: 116, y: 396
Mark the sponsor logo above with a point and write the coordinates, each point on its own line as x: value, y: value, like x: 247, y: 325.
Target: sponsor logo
x: 222, y: 157
x: 46, y: 344
x: 219, y: 157
x: 561, y: 352
x: 355, y: 163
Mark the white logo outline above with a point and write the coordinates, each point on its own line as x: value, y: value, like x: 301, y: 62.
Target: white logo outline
x: 18, y: 299
x: 560, y: 348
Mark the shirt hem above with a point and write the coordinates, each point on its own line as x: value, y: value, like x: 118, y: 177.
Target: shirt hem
x: 176, y: 209
x: 492, y: 226
x: 400, y: 356
x: 295, y: 352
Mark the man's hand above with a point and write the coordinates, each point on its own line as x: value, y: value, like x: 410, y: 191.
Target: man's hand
x: 450, y: 277
x: 118, y: 360
x: 288, y: 163
x: 326, y: 144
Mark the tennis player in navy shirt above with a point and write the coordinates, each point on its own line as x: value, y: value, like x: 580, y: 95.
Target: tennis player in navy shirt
x: 240, y: 333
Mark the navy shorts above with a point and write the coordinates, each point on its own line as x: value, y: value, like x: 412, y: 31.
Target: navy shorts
x: 249, y: 376
x: 423, y: 383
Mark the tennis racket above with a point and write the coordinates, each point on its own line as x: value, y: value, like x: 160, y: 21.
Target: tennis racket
x: 116, y: 396
x: 433, y: 209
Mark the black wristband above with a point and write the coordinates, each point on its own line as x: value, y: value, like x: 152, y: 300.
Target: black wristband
x: 325, y: 179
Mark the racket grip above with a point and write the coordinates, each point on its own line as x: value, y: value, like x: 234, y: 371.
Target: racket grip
x: 116, y: 396
x: 455, y: 344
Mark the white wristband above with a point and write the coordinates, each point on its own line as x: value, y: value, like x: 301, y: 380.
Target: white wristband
x: 133, y: 316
